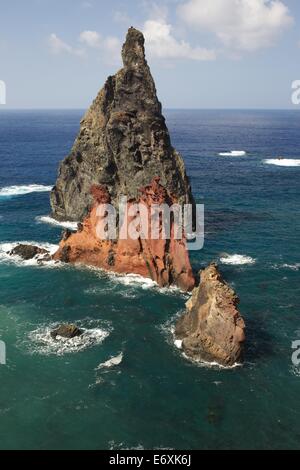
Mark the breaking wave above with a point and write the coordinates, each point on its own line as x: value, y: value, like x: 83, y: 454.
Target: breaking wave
x: 11, y: 191
x: 293, y: 267
x: 112, y: 362
x: 233, y: 153
x: 134, y: 280
x: 237, y: 259
x: 49, y: 220
x: 282, y: 162
x: 6, y: 248
x: 40, y: 341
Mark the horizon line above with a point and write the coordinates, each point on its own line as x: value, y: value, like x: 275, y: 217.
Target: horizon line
x: 295, y: 108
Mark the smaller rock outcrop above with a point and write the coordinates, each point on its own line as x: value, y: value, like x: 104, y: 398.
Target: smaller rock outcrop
x: 28, y: 252
x: 212, y: 328
x: 66, y: 331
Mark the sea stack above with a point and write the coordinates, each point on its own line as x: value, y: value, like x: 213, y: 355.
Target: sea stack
x: 124, y: 149
x: 212, y: 328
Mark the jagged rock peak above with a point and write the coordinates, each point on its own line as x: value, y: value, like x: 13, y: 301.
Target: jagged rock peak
x: 133, y: 52
x: 123, y: 142
x: 124, y: 145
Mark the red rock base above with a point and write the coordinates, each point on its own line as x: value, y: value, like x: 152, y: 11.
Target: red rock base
x: 164, y: 261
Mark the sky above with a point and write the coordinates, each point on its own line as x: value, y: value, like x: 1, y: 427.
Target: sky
x: 202, y: 53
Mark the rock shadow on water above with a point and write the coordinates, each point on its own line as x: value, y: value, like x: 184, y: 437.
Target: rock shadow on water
x: 215, y: 413
x: 260, y: 343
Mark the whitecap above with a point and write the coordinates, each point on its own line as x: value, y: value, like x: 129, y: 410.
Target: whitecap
x: 293, y: 267
x: 112, y: 362
x: 135, y: 279
x: 210, y: 365
x: 49, y: 220
x: 11, y: 191
x: 6, y: 248
x: 282, y: 162
x: 41, y: 342
x: 237, y: 259
x: 295, y: 371
x: 233, y: 153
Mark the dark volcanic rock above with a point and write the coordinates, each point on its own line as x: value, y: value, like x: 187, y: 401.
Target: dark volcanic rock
x: 66, y: 331
x: 123, y: 142
x: 28, y: 252
x: 123, y: 149
x: 65, y: 254
x: 66, y: 234
x: 212, y: 328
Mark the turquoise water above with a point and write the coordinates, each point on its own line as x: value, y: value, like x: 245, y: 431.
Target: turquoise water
x: 52, y: 398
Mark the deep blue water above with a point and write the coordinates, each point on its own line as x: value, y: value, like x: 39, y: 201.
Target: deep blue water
x: 155, y: 398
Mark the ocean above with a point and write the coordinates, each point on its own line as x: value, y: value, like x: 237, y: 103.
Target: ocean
x: 73, y: 395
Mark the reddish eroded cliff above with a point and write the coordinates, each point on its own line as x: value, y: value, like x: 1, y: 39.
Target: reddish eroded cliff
x: 165, y: 261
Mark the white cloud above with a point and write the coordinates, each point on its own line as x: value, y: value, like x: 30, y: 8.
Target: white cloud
x: 58, y: 46
x: 240, y: 24
x: 109, y: 46
x: 90, y: 38
x: 160, y: 43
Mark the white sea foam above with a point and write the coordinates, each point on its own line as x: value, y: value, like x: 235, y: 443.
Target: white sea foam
x: 112, y: 362
x: 6, y: 248
x: 237, y: 259
x: 295, y: 370
x: 293, y: 267
x: 178, y: 343
x: 210, y: 365
x: 135, y: 280
x: 233, y: 153
x: 122, y: 446
x: 49, y: 220
x: 41, y: 342
x: 282, y: 162
x: 11, y: 191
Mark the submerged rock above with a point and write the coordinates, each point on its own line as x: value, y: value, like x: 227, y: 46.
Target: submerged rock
x: 122, y: 148
x: 66, y: 331
x: 28, y: 252
x: 212, y: 328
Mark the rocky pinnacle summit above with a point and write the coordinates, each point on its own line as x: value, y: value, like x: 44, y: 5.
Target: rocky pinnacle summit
x: 123, y: 142
x: 123, y: 149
